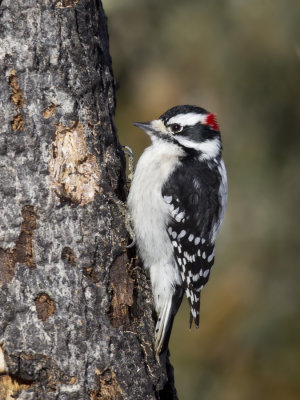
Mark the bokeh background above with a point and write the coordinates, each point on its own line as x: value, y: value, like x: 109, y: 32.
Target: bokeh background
x: 241, y: 60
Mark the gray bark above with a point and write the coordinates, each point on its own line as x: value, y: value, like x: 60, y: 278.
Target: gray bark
x: 76, y: 317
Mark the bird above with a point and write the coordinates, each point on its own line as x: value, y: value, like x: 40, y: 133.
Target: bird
x: 177, y: 202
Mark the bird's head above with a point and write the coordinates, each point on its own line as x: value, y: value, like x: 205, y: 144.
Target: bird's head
x: 192, y: 128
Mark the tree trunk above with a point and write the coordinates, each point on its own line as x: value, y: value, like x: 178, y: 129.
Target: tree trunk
x: 76, y: 317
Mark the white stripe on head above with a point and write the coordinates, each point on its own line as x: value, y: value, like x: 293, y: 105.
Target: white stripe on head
x: 209, y: 149
x: 188, y: 119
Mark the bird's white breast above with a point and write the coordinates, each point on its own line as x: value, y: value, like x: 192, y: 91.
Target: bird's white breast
x: 149, y: 211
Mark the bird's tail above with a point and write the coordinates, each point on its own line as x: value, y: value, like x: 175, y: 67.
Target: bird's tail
x: 195, y: 310
x: 165, y: 322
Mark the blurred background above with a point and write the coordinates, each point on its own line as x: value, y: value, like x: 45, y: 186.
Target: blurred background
x: 241, y: 60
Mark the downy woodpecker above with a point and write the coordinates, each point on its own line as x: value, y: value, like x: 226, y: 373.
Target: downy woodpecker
x: 177, y: 201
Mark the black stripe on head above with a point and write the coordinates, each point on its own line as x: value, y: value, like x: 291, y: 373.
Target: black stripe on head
x: 185, y: 109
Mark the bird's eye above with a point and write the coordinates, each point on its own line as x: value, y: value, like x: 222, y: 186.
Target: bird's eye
x: 175, y: 128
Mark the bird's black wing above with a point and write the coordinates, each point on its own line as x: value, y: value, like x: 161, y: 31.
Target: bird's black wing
x: 194, y: 205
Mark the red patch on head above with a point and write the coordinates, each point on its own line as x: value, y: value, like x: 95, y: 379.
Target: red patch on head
x: 211, y: 121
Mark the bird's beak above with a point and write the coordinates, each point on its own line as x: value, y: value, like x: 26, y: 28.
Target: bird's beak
x: 146, y: 126
x: 153, y: 128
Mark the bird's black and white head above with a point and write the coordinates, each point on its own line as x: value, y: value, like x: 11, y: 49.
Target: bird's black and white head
x: 190, y: 127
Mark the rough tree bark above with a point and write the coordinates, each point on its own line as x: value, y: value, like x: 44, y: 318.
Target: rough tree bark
x: 76, y: 317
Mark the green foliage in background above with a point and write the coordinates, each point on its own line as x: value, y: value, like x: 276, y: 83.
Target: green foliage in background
x: 241, y: 60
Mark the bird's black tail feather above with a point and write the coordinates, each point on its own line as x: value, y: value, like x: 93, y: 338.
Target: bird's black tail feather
x: 195, y: 308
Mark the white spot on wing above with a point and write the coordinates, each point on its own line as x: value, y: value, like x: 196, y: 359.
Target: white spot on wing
x: 179, y: 216
x: 191, y: 237
x: 174, y: 212
x: 168, y: 199
x: 196, y: 277
x: 182, y: 234
x: 205, y: 273
x: 210, y: 257
x: 197, y: 241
